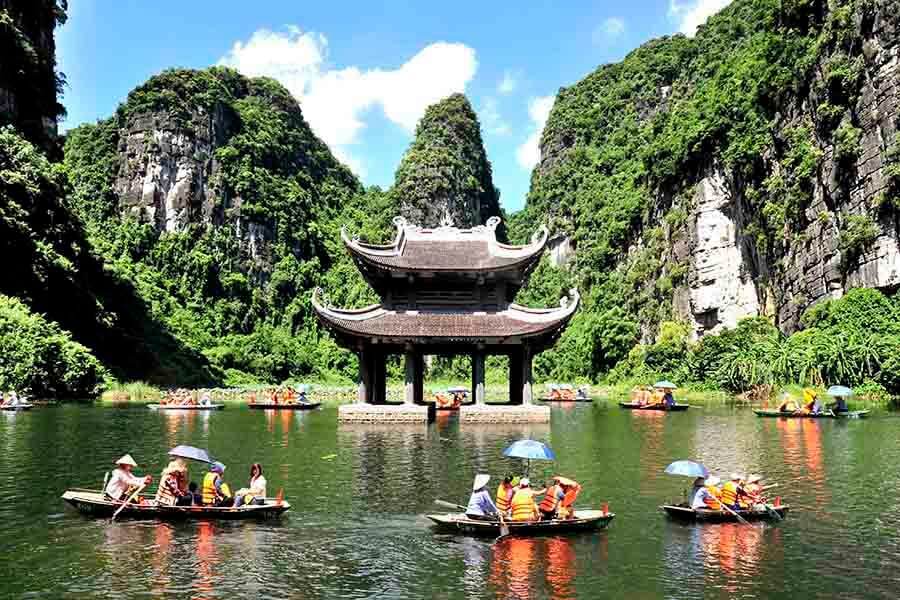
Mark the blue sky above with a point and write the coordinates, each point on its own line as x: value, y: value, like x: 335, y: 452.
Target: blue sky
x: 363, y: 72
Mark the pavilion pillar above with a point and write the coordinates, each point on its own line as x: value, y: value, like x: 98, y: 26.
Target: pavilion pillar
x: 527, y: 357
x: 515, y: 377
x: 364, y: 391
x: 478, y: 358
x: 379, y: 378
x: 414, y: 375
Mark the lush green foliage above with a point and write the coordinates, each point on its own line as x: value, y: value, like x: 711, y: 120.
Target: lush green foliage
x: 39, y: 359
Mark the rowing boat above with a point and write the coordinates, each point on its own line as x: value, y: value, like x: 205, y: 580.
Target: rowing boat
x: 549, y: 399
x: 18, y: 407
x: 297, y: 406
x: 853, y: 414
x: 708, y: 515
x: 584, y: 520
x: 186, y: 406
x: 634, y: 406
x: 95, y: 504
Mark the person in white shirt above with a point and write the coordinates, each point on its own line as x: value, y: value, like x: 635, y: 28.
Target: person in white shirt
x: 122, y: 479
x: 256, y: 493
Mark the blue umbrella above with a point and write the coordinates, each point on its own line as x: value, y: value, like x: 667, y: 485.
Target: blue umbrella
x: 839, y: 390
x: 665, y: 385
x: 457, y: 389
x: 529, y: 450
x: 191, y: 453
x: 688, y: 468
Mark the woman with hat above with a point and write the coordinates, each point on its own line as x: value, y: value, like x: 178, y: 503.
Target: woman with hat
x: 481, y: 507
x: 122, y: 479
x: 173, y: 485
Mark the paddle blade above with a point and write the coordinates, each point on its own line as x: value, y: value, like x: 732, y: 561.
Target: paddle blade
x: 279, y: 498
x: 777, y: 501
x: 605, y: 509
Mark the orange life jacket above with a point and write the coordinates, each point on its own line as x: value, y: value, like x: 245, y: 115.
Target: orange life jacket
x: 209, y: 488
x: 523, y: 508
x: 503, y: 497
x: 754, y: 490
x: 729, y: 494
x: 164, y: 495
x: 713, y: 502
x: 550, y: 501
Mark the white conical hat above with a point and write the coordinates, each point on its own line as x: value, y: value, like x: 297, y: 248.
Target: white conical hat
x: 126, y: 460
x: 481, y: 480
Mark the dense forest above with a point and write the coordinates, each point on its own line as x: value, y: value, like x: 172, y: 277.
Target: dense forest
x: 178, y: 240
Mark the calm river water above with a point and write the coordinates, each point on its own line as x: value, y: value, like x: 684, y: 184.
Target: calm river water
x: 359, y: 494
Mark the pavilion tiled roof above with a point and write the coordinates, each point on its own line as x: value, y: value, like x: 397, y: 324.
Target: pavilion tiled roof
x: 514, y: 321
x: 447, y: 249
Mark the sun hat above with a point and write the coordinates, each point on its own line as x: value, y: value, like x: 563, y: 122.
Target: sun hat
x: 524, y: 482
x: 481, y: 480
x: 217, y: 467
x: 126, y: 460
x: 713, y: 480
x: 736, y: 477
x: 753, y: 478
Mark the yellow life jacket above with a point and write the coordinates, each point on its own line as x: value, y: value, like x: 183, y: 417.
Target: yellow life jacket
x: 713, y: 502
x: 164, y: 495
x: 502, y: 498
x: 729, y: 494
x: 523, y: 508
x: 209, y: 494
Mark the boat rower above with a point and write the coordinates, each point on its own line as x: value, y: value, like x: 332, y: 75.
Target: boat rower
x: 707, y: 496
x: 123, y: 481
x: 481, y: 507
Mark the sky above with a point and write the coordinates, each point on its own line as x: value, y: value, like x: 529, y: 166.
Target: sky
x: 364, y: 72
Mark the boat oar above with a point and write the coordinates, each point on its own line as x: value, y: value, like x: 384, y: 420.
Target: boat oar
x: 127, y: 502
x: 451, y: 505
x: 504, y: 528
x: 739, y: 517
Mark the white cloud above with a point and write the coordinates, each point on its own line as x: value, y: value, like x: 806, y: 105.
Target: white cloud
x: 529, y: 153
x: 609, y: 29
x: 694, y: 13
x: 510, y: 82
x: 335, y: 101
x: 491, y: 120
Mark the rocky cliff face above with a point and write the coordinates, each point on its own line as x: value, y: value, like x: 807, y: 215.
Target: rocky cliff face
x: 738, y: 203
x: 445, y: 176
x: 28, y: 78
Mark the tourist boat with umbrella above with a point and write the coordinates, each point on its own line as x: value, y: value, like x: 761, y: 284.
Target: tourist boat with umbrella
x: 683, y: 511
x: 452, y: 399
x: 15, y: 404
x: 839, y: 410
x: 96, y: 504
x: 528, y: 450
x: 660, y: 385
x: 291, y: 401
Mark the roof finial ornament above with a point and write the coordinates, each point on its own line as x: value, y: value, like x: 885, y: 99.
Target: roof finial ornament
x: 446, y: 220
x: 493, y: 222
x: 399, y: 222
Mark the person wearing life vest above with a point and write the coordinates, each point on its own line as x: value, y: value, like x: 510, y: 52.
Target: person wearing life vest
x: 215, y: 491
x: 753, y: 489
x: 707, y: 495
x: 731, y: 491
x: 571, y: 489
x: 810, y: 403
x: 552, y: 497
x: 172, y: 489
x: 505, y: 493
x: 523, y: 506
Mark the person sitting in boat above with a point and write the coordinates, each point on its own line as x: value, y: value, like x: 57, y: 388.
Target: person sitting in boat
x: 668, y: 399
x: 707, y: 495
x: 196, y: 498
x: 505, y: 492
x: 215, y: 490
x: 123, y: 482
x: 731, y: 492
x: 811, y: 404
x: 481, y: 507
x: 256, y: 492
x: 553, y: 495
x: 172, y: 489
x: 787, y: 404
x: 753, y: 489
x: 273, y: 396
x: 523, y: 507
x: 302, y: 399
x: 10, y: 400
x: 571, y: 489
x: 205, y: 399
x: 838, y: 406
x: 582, y: 393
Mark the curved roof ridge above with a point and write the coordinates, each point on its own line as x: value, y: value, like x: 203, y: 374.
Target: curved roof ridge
x: 350, y: 314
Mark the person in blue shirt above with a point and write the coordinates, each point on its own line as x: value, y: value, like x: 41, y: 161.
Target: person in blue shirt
x: 481, y: 507
x: 668, y: 399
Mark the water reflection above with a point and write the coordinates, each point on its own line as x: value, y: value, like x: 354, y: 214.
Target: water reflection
x: 541, y: 567
x: 207, y: 559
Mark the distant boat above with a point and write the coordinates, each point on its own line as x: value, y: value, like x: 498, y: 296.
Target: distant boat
x: 294, y: 406
x: 584, y: 520
x: 709, y: 515
x: 853, y: 414
x: 186, y: 406
x: 96, y: 504
x: 662, y: 407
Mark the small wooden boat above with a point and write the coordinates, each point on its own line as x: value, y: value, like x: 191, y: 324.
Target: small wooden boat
x: 853, y: 414
x: 295, y: 406
x: 186, y: 406
x: 708, y: 515
x: 567, y: 400
x: 17, y: 407
x: 584, y: 520
x: 635, y: 406
x: 95, y: 504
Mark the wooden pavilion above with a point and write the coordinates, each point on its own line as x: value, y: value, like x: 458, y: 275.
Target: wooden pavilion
x: 445, y: 291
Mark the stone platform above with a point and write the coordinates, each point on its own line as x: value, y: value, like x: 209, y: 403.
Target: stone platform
x: 498, y: 413
x: 385, y: 413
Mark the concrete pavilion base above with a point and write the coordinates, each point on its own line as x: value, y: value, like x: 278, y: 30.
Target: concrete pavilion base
x: 494, y: 413
x: 385, y: 413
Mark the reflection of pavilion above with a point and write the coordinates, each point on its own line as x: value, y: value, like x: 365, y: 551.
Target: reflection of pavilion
x: 444, y: 291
